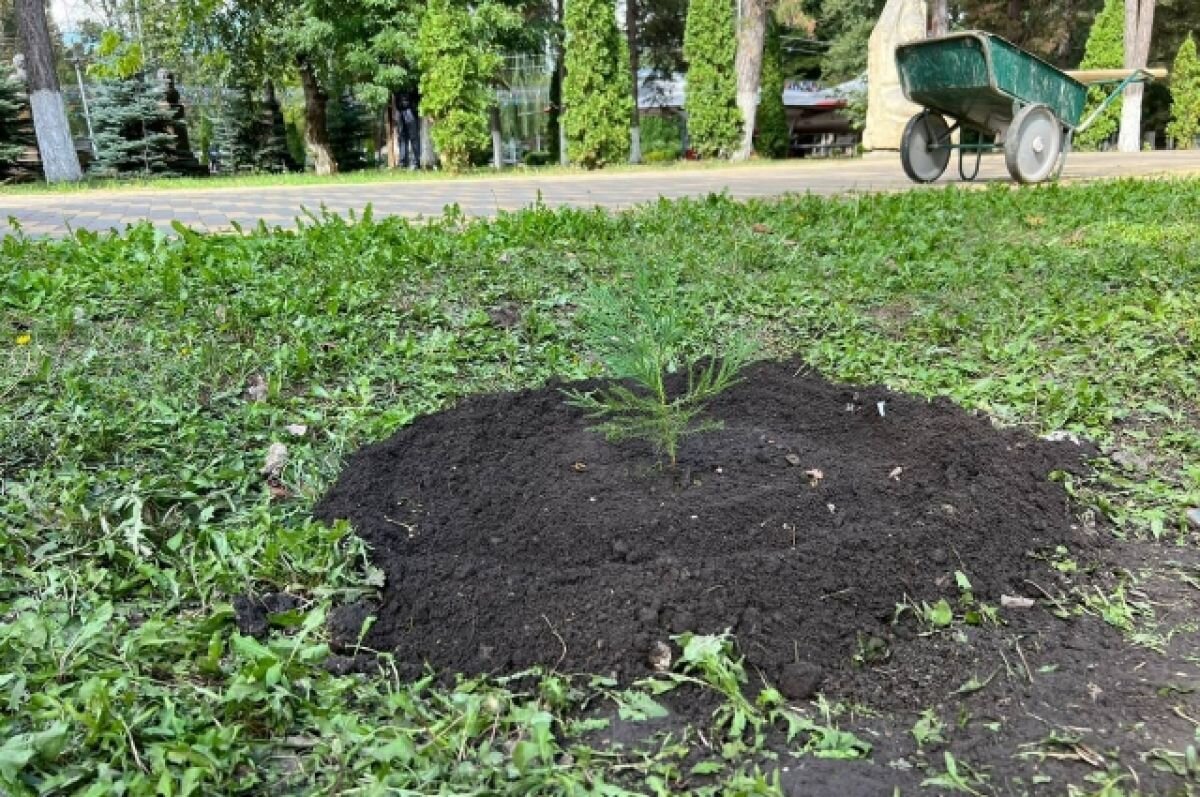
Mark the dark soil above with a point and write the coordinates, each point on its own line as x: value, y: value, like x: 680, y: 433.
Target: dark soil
x: 511, y: 535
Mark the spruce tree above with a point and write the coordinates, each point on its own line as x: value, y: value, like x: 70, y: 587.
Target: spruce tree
x: 1105, y: 50
x: 709, y: 48
x: 349, y: 124
x: 774, y: 139
x: 238, y: 132
x: 132, y: 129
x: 273, y: 154
x: 597, y: 106
x: 455, y: 89
x: 16, y: 132
x: 1185, y: 96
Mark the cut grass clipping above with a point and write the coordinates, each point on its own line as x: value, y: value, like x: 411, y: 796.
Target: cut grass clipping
x: 639, y: 335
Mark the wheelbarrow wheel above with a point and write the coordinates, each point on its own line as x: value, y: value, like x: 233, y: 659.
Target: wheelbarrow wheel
x: 925, y: 147
x: 1033, y: 144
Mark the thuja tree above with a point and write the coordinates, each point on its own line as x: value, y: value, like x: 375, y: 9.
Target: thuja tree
x: 709, y: 47
x: 1185, y: 96
x: 456, y: 75
x: 1105, y: 50
x: 16, y: 133
x: 132, y: 129
x: 597, y: 106
x: 774, y: 140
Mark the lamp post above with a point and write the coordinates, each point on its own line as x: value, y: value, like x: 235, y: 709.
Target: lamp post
x: 76, y: 60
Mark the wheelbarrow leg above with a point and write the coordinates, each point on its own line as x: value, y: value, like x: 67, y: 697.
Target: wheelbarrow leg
x: 1066, y: 150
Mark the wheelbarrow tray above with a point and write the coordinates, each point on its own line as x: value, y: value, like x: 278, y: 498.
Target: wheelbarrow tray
x: 980, y: 80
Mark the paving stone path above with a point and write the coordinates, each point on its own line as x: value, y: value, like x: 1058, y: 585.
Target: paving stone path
x: 218, y: 209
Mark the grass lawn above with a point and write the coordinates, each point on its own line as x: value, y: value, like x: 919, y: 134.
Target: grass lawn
x: 365, y: 177
x: 143, y: 379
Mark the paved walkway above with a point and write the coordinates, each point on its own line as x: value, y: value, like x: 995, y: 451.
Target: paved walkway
x: 218, y: 208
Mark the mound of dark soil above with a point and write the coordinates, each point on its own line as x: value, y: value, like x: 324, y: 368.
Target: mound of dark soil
x: 511, y: 535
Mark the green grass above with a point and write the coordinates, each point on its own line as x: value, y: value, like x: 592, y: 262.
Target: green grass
x: 366, y: 177
x: 132, y: 508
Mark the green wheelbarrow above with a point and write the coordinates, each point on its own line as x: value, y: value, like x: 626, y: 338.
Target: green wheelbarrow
x: 995, y: 95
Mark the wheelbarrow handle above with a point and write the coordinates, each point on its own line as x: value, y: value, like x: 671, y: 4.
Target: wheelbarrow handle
x: 1094, y: 77
x: 1131, y: 76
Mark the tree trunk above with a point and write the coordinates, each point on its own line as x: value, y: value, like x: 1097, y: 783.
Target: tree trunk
x: 497, y: 138
x: 392, y: 131
x: 554, y: 124
x: 631, y: 36
x: 428, y: 155
x: 752, y: 34
x: 939, y: 18
x: 59, y: 161
x: 1139, y: 22
x: 316, y: 132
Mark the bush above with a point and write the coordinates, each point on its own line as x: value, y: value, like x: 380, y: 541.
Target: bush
x: 537, y: 158
x: 455, y: 82
x: 1105, y: 50
x: 661, y: 156
x: 16, y: 132
x: 709, y: 47
x: 597, y: 106
x: 1185, y: 96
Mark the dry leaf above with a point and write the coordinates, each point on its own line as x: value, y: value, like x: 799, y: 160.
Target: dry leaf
x: 256, y: 390
x: 277, y: 457
x: 296, y: 429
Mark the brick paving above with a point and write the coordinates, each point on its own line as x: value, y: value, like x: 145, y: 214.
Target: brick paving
x: 218, y: 209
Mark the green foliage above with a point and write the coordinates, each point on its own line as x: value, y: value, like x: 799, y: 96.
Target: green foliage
x: 273, y: 152
x: 349, y: 131
x: 1185, y: 96
x: 662, y: 135
x: 771, y: 125
x: 846, y: 25
x: 116, y: 58
x: 537, y: 158
x: 133, y: 129
x: 16, y: 134
x: 709, y: 47
x: 1105, y: 50
x: 597, y: 107
x: 456, y: 74
x: 640, y: 337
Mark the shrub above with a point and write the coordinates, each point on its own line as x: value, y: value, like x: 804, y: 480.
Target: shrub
x: 774, y: 137
x: 455, y: 79
x: 640, y: 340
x: 661, y: 156
x: 709, y: 47
x: 1105, y: 50
x: 537, y: 158
x: 597, y: 106
x: 1185, y: 96
x: 16, y: 133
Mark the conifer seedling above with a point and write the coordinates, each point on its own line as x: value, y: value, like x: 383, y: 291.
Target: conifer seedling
x: 640, y: 342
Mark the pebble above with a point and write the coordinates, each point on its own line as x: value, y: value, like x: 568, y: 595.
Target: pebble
x: 1193, y: 516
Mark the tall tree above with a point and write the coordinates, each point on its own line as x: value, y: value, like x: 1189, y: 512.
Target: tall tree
x: 633, y: 44
x: 1105, y: 50
x: 596, y: 101
x: 1185, y: 96
x: 59, y: 161
x: 1139, y: 24
x: 752, y: 32
x: 774, y: 137
x: 709, y: 47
